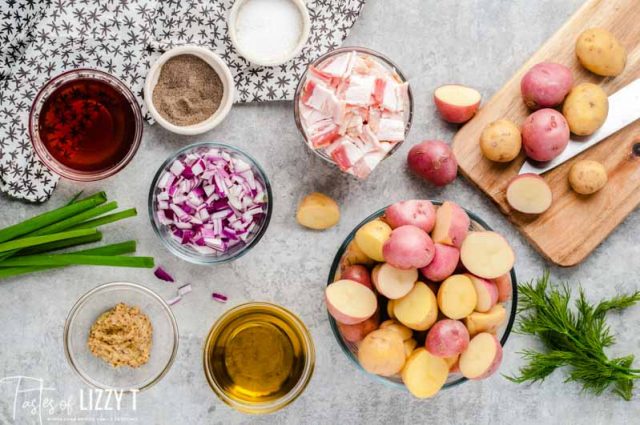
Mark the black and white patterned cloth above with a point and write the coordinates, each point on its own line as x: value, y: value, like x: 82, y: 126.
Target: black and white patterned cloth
x: 41, y: 38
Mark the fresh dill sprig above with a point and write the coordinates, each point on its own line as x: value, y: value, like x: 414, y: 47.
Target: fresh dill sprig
x: 573, y: 338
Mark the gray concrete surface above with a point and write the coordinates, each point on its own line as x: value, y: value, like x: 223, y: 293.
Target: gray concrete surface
x: 480, y: 43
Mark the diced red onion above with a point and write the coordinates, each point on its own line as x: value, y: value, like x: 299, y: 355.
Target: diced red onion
x: 219, y: 297
x: 163, y: 275
x: 210, y: 201
x: 184, y: 289
x: 174, y: 300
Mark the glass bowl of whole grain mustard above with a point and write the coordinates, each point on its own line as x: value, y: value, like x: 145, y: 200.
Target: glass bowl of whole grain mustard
x: 258, y: 357
x: 122, y: 336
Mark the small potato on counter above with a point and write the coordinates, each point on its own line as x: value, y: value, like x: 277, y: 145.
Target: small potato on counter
x: 587, y: 176
x: 318, y: 211
x: 434, y: 161
x: 501, y: 141
x: 382, y: 352
x: 586, y: 108
x: 601, y: 53
x: 457, y: 104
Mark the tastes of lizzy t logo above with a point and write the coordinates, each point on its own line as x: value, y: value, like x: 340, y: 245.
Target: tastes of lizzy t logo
x: 28, y: 400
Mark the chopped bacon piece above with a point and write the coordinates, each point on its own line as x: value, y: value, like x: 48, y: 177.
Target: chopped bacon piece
x: 320, y: 75
x: 366, y: 164
x: 340, y: 66
x: 378, y: 93
x: 323, y: 133
x: 360, y: 90
x: 391, y: 130
x: 346, y: 154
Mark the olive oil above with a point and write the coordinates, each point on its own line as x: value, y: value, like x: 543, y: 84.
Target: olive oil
x: 258, y: 357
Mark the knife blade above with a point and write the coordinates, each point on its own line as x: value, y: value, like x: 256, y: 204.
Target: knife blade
x: 624, y: 109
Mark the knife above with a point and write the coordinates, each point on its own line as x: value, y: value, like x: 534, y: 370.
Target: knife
x: 624, y: 108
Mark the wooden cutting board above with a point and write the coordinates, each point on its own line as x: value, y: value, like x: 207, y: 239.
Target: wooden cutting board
x: 574, y: 225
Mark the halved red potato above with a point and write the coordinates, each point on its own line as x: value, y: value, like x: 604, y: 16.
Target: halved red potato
x: 486, y: 254
x: 457, y: 103
x: 478, y: 322
x: 417, y: 310
x: 529, y: 194
x: 457, y: 297
x: 482, y: 358
x: 424, y: 374
x: 393, y: 282
x: 350, y: 302
x: 452, y: 225
x: 487, y: 292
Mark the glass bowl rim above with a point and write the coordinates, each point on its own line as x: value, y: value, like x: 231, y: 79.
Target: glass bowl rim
x: 128, y: 286
x: 294, y: 393
x: 57, y: 167
x: 194, y: 257
x: 334, y: 326
x: 345, y: 49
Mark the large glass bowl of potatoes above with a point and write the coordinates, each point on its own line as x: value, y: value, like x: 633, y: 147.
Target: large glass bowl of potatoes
x: 423, y: 328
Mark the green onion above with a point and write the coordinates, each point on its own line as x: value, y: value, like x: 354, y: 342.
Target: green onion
x: 51, y: 217
x: 39, y: 240
x: 101, y: 221
x: 76, y: 219
x: 77, y: 259
x: 75, y: 197
x: 52, y: 246
x: 114, y: 249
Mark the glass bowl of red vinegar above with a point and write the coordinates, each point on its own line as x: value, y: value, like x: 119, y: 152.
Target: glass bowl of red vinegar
x: 85, y: 125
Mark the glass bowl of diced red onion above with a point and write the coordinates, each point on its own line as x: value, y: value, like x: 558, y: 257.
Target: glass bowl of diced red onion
x: 354, y: 108
x: 210, y: 203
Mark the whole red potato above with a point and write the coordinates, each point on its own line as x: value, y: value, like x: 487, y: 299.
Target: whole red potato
x: 546, y: 85
x: 408, y: 247
x: 434, y: 161
x: 545, y: 134
x: 418, y: 212
x: 358, y: 273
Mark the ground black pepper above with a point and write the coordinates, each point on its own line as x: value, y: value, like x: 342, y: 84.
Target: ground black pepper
x: 188, y: 90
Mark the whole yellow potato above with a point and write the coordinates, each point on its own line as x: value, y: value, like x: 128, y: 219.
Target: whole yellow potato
x: 382, y: 352
x: 586, y: 108
x: 371, y: 237
x: 601, y: 53
x: 501, y: 141
x: 587, y: 176
x: 318, y: 211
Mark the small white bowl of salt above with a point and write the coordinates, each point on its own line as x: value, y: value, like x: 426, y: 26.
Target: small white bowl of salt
x: 269, y: 32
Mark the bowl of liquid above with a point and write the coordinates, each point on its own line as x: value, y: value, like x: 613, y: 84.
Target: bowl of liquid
x: 85, y: 125
x: 258, y: 357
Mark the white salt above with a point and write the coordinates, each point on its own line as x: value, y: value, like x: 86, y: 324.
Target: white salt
x: 268, y: 30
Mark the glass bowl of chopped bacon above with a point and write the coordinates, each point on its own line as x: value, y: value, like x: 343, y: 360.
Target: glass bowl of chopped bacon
x: 354, y: 108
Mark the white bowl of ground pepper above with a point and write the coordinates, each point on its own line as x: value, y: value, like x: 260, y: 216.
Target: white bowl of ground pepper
x: 189, y: 90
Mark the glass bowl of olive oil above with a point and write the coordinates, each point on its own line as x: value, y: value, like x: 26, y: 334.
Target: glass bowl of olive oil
x: 258, y: 357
